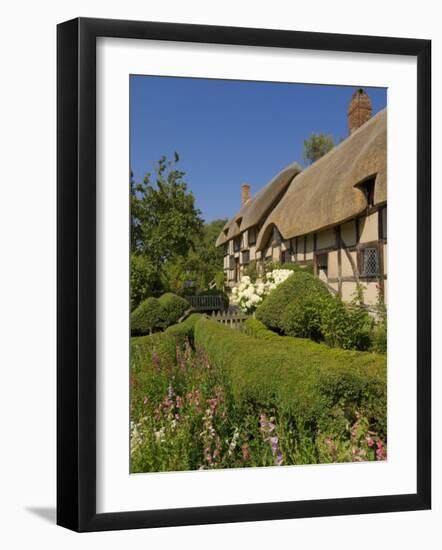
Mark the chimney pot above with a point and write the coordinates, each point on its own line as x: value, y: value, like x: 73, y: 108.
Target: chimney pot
x: 359, y: 110
x: 245, y: 193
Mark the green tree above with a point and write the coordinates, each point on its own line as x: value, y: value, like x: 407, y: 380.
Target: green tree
x: 135, y: 211
x: 144, y: 279
x: 164, y: 219
x: 206, y: 250
x: 316, y: 146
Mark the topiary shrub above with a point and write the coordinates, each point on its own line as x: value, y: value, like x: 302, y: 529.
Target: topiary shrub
x: 302, y: 316
x: 173, y: 308
x: 147, y: 317
x: 301, y: 289
x: 175, y: 336
x: 255, y: 328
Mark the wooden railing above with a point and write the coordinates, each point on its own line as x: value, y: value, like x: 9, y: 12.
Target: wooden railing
x: 206, y: 303
x: 232, y: 320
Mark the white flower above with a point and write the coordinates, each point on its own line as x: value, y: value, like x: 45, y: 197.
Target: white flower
x: 159, y: 435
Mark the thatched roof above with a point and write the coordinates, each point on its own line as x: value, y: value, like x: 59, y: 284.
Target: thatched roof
x: 252, y: 212
x: 327, y: 193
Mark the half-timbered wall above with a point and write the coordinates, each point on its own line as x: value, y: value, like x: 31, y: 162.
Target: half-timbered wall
x: 342, y: 256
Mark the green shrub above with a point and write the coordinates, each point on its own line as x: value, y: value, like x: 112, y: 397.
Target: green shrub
x: 302, y: 289
x: 309, y: 381
x: 173, y: 308
x: 347, y: 326
x: 183, y: 331
x: 146, y: 317
x: 379, y: 340
x: 302, y: 316
x: 255, y: 328
x: 164, y: 343
x: 144, y: 279
x: 303, y: 307
x: 251, y: 270
x: 219, y: 280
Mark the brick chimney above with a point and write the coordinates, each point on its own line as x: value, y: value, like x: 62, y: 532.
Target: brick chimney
x: 245, y: 193
x: 359, y: 110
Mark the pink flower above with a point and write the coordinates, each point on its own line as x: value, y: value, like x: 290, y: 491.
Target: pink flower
x: 212, y: 403
x: 380, y: 451
x: 370, y: 441
x: 245, y: 451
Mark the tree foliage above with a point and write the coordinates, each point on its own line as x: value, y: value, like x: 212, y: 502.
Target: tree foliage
x: 144, y: 279
x: 165, y: 221
x: 170, y: 244
x: 205, y: 249
x: 316, y: 146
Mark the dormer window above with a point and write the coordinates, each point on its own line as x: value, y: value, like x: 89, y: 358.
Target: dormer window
x: 252, y: 236
x: 368, y: 189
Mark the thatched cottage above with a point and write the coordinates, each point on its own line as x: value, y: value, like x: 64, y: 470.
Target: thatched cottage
x: 332, y: 215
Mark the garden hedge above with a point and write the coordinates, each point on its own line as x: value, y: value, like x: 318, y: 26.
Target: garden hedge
x: 146, y: 317
x: 301, y: 289
x: 173, y: 308
x: 165, y: 343
x: 308, y: 380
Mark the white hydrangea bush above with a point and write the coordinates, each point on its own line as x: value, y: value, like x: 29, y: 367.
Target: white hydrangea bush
x: 248, y: 295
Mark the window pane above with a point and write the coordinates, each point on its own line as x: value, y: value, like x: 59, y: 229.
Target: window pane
x: 370, y: 262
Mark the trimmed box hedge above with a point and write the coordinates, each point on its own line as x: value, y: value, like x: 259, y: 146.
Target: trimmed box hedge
x: 164, y: 343
x: 157, y: 313
x: 300, y: 377
x: 146, y: 317
x: 173, y: 308
x: 302, y: 292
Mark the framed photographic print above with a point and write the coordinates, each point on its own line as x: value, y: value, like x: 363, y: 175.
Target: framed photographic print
x: 243, y: 274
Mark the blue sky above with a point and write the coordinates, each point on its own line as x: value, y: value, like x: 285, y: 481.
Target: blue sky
x: 228, y: 132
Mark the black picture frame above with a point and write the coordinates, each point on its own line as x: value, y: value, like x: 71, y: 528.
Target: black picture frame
x: 76, y: 274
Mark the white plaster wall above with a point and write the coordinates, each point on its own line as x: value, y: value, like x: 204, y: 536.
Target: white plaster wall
x: 368, y: 228
x: 333, y: 264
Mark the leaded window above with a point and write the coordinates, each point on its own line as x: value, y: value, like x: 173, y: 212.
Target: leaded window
x: 370, y: 262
